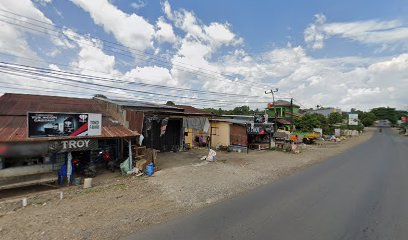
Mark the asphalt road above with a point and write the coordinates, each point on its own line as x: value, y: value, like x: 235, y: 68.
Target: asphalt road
x: 361, y: 194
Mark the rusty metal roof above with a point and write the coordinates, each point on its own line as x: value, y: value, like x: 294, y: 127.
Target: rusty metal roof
x: 20, y: 104
x: 14, y: 108
x: 193, y: 111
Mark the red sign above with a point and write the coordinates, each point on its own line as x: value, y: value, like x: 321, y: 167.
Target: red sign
x: 270, y: 105
x: 404, y: 119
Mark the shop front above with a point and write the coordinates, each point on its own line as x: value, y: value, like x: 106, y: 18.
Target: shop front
x: 35, y: 146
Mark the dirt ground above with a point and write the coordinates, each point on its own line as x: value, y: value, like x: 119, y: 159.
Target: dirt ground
x: 117, y: 206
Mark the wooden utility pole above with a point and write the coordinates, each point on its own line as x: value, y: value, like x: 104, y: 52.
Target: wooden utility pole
x: 273, y: 91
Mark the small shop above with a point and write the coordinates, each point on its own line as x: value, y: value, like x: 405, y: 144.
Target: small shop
x: 260, y: 135
x: 163, y: 133
x: 196, y: 131
x: 35, y: 146
x: 163, y: 127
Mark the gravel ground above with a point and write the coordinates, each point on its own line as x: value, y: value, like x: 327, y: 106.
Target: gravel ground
x: 118, y: 206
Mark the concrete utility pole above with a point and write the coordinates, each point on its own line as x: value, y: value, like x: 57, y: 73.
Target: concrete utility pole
x: 273, y: 91
x: 291, y: 114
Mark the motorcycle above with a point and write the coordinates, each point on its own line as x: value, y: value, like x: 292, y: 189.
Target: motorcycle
x: 85, y: 168
x: 105, y: 158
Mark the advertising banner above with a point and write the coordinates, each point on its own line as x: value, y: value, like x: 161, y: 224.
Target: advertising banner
x: 353, y: 119
x: 63, y: 124
x: 259, y: 119
x: 403, y: 119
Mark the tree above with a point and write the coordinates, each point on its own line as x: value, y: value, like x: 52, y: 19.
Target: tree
x: 387, y: 113
x: 367, y: 118
x: 335, y: 117
x: 170, y: 103
x: 309, y: 121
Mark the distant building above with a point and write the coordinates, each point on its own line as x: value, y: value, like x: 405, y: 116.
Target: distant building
x: 325, y: 111
x: 283, y: 109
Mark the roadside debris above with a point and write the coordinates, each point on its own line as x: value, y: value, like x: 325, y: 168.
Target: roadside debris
x: 210, y: 157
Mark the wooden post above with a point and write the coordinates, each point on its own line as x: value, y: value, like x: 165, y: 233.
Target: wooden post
x: 130, y: 154
x: 246, y: 126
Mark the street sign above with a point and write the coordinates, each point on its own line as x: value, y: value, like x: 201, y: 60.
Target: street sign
x: 353, y: 119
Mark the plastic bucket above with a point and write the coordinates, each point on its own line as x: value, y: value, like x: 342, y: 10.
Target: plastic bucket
x: 150, y: 169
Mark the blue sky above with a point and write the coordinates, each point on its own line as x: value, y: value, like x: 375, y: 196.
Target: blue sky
x: 331, y: 53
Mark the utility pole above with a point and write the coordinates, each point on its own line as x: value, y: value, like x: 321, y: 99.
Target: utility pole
x: 291, y: 114
x: 273, y: 91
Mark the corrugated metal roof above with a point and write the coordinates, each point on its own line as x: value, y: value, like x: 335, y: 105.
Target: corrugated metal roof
x: 14, y: 108
x: 134, y: 103
x: 20, y: 104
x: 235, y: 121
x: 192, y: 110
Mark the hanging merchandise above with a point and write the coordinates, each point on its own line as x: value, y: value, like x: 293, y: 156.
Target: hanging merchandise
x: 163, y: 126
x: 141, y: 137
x: 206, y: 125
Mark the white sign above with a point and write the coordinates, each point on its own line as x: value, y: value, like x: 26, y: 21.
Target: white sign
x: 94, y: 124
x: 353, y: 119
x: 337, y: 132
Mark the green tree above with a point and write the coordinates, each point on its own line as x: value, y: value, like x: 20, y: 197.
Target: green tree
x: 170, y: 103
x: 335, y: 117
x: 367, y: 118
x: 383, y: 113
x: 307, y: 122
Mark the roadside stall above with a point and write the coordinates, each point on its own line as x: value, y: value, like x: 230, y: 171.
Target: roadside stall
x: 36, y: 141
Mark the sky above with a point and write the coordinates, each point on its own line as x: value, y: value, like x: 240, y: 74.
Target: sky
x: 346, y: 54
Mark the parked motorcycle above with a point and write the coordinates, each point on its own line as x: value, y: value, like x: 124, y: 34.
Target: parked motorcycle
x: 85, y: 168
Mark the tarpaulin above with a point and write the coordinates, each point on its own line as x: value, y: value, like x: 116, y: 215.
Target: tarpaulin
x: 197, y: 123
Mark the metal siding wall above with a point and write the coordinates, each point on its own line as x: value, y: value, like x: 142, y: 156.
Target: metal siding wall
x: 238, y: 135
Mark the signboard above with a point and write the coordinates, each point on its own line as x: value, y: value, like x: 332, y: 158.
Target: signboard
x: 403, y: 119
x: 73, y: 145
x: 259, y: 129
x: 259, y: 119
x: 64, y: 124
x: 337, y: 132
x: 319, y: 131
x: 353, y: 119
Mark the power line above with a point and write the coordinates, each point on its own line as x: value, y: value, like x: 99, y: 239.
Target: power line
x: 107, y: 41
x: 194, y: 71
x: 55, y: 74
x: 135, y: 83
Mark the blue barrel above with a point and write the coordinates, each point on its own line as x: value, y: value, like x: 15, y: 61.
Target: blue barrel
x: 150, y: 169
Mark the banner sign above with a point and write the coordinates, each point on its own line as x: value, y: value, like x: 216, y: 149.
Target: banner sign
x: 353, y: 119
x: 64, y: 124
x: 403, y: 119
x: 259, y: 129
x: 261, y: 118
x: 73, y: 145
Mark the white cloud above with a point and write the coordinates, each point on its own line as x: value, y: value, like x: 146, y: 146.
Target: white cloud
x: 13, y: 38
x: 383, y: 33
x: 91, y: 58
x: 151, y: 75
x: 165, y: 32
x: 138, y: 4
x: 215, y: 34
x: 131, y: 30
